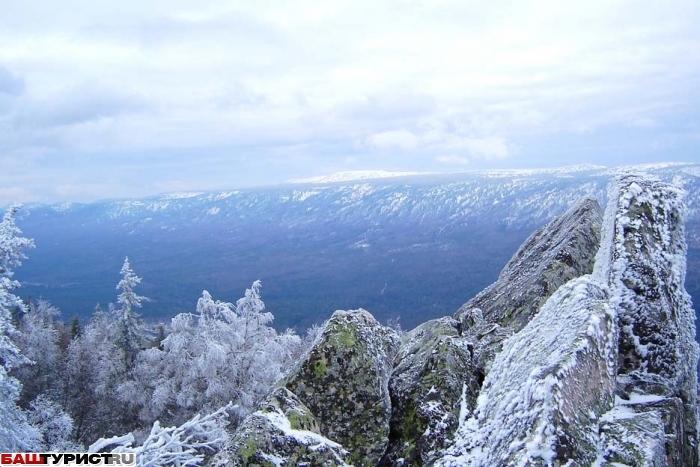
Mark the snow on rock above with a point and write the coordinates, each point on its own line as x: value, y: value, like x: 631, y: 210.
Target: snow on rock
x: 283, y: 432
x: 643, y: 259
x: 344, y: 381
x: 546, y: 389
x: 631, y: 438
x: 561, y: 250
x: 556, y: 253
x: 434, y: 377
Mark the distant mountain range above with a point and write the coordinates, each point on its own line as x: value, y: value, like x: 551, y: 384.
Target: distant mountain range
x: 410, y: 245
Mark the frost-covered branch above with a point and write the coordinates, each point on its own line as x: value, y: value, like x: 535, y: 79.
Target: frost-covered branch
x: 183, y: 445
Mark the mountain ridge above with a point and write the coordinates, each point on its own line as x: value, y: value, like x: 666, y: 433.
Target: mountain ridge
x: 366, y: 243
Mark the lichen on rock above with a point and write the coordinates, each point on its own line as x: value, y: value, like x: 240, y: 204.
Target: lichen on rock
x: 433, y: 372
x: 344, y: 381
x: 283, y: 432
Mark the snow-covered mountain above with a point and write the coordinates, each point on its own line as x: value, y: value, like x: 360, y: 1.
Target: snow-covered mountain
x: 352, y: 175
x: 405, y: 244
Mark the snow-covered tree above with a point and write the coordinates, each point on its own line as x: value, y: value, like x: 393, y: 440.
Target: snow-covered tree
x: 131, y: 330
x: 93, y: 369
x: 54, y: 424
x: 16, y: 434
x: 38, y: 340
x: 222, y: 353
x: 186, y: 445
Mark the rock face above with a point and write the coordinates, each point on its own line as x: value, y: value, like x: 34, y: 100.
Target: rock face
x: 643, y: 259
x: 546, y: 389
x: 283, y: 431
x: 604, y: 374
x: 441, y: 364
x: 344, y: 381
x: 434, y: 377
x: 556, y: 253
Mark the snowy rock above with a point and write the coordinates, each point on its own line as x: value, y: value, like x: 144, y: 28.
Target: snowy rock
x: 556, y: 253
x: 547, y: 388
x: 643, y: 259
x: 433, y: 382
x: 344, y: 381
x: 283, y: 432
x: 631, y: 438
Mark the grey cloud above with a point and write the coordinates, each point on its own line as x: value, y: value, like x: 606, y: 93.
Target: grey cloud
x: 389, y: 106
x: 10, y: 84
x: 77, y: 105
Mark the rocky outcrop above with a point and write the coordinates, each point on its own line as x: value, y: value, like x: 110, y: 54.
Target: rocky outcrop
x: 547, y: 388
x: 556, y: 253
x: 434, y: 379
x: 283, y: 432
x: 344, y: 381
x: 643, y: 259
x: 442, y: 363
x: 604, y: 374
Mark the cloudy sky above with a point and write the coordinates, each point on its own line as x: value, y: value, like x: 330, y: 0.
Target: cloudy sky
x: 131, y: 98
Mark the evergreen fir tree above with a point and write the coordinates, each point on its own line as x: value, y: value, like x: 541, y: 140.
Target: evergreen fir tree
x: 75, y: 329
x: 131, y: 330
x: 16, y: 434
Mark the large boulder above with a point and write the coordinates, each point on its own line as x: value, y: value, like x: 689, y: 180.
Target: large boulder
x: 283, y: 432
x: 434, y: 382
x: 546, y: 390
x: 344, y: 381
x: 441, y: 364
x: 560, y: 251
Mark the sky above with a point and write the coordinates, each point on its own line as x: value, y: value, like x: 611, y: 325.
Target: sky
x: 133, y: 98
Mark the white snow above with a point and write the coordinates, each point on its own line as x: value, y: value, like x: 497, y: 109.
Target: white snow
x: 182, y: 195
x: 637, y: 399
x: 303, y: 437
x: 302, y: 196
x: 353, y: 175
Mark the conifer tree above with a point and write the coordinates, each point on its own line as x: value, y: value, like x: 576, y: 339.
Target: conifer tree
x: 16, y: 434
x: 75, y: 329
x: 131, y: 331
